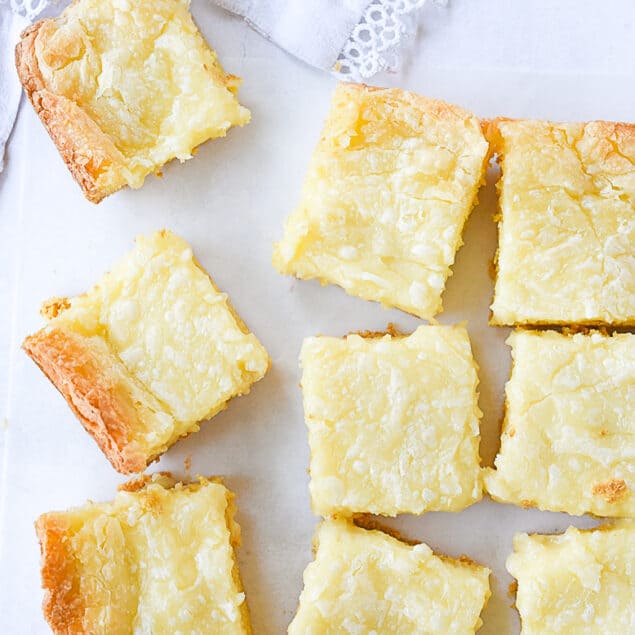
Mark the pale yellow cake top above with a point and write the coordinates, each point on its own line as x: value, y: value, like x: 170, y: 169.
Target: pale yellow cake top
x: 161, y: 331
x: 576, y: 583
x: 567, y: 200
x: 364, y: 582
x: 389, y: 187
x: 568, y: 441
x: 157, y: 561
x: 145, y: 77
x: 393, y: 422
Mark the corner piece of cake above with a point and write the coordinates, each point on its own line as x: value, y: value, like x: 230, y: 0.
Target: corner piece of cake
x: 365, y: 581
x: 578, y: 582
x: 393, y: 422
x: 388, y: 190
x: 124, y: 87
x: 568, y: 438
x: 158, y: 559
x: 566, y: 250
x: 148, y: 353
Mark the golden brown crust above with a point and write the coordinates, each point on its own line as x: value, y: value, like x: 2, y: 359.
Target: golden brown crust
x: 391, y: 330
x: 435, y: 107
x: 62, y: 605
x: 550, y: 324
x: 166, y: 479
x: 371, y: 523
x: 612, y: 490
x: 105, y: 409
x: 624, y: 132
x: 86, y: 150
x: 52, y: 307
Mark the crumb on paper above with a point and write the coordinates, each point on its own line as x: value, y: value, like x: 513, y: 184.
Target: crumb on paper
x: 187, y: 464
x: 52, y: 307
x: 5, y: 423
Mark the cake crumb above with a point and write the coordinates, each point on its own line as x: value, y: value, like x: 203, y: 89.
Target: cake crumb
x: 612, y: 491
x: 52, y: 307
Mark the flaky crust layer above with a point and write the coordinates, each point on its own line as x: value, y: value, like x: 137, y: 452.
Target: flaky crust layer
x: 65, y: 605
x: 106, y: 411
x: 86, y: 150
x: 62, y: 605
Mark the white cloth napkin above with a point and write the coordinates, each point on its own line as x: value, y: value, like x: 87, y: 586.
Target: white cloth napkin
x: 313, y: 30
x: 11, y: 25
x: 353, y: 38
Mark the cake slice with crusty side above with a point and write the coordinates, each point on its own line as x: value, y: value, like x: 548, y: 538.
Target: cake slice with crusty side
x: 148, y: 353
x: 158, y: 559
x: 124, y: 87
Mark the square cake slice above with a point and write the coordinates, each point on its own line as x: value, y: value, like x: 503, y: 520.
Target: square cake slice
x: 576, y: 583
x: 566, y: 251
x: 388, y: 190
x: 147, y: 353
x: 568, y: 439
x: 124, y: 87
x: 158, y: 559
x: 365, y: 581
x: 393, y: 422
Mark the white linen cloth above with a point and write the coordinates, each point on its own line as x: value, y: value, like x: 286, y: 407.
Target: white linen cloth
x: 11, y: 25
x: 353, y: 38
x: 313, y: 30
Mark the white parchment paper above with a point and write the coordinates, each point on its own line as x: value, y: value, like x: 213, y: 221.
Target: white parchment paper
x: 229, y: 202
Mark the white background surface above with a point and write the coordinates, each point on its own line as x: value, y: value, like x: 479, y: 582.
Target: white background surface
x: 540, y: 59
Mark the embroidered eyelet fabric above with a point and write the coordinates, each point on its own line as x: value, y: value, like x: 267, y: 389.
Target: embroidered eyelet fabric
x: 376, y: 42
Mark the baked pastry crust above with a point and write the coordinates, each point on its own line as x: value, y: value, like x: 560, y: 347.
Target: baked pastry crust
x: 576, y: 583
x: 148, y: 353
x: 365, y: 581
x: 568, y: 438
x: 393, y: 422
x: 103, y: 565
x: 566, y: 223
x: 102, y: 404
x: 77, y: 71
x: 388, y: 190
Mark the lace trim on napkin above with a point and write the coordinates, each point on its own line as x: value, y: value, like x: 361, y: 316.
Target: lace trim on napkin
x: 374, y: 45
x: 32, y: 10
x: 29, y: 9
